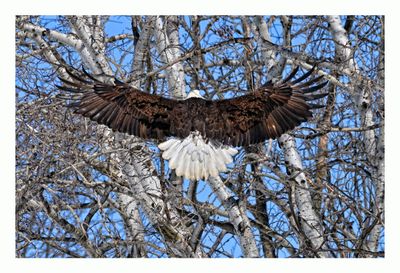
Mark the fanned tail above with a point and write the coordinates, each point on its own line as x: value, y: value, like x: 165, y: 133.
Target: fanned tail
x: 195, y: 159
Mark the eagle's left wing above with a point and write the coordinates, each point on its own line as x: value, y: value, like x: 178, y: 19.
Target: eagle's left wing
x: 120, y: 107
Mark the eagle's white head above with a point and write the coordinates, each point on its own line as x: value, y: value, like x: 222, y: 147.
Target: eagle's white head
x: 194, y: 94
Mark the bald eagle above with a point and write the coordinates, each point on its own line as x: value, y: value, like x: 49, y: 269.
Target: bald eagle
x: 197, y: 136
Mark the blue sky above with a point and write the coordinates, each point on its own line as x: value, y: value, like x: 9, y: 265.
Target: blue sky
x: 200, y: 7
x: 118, y: 25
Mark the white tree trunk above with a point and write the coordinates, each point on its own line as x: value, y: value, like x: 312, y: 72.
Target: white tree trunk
x: 237, y: 217
x: 134, y: 226
x: 168, y: 49
x: 310, y: 222
x: 375, y: 148
x: 141, y: 50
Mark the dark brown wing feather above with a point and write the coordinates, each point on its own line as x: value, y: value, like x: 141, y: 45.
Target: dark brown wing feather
x: 267, y: 113
x: 121, y: 107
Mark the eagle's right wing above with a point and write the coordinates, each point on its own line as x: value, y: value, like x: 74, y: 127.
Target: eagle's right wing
x: 267, y: 113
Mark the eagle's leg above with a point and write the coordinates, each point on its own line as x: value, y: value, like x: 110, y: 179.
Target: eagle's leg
x: 195, y: 159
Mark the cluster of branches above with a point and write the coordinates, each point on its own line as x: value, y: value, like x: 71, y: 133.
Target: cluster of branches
x: 85, y: 191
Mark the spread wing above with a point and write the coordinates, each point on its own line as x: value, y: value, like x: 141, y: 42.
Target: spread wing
x: 266, y: 113
x: 120, y: 107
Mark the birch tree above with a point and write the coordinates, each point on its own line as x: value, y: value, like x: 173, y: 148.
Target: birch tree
x: 85, y: 191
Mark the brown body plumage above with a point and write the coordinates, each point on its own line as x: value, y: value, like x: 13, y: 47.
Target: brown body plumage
x: 266, y: 113
x: 197, y: 133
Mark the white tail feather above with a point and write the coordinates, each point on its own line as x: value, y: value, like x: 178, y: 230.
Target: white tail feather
x: 226, y: 156
x: 219, y: 163
x: 195, y: 159
x: 166, y: 144
x: 177, y: 158
x: 169, y: 148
